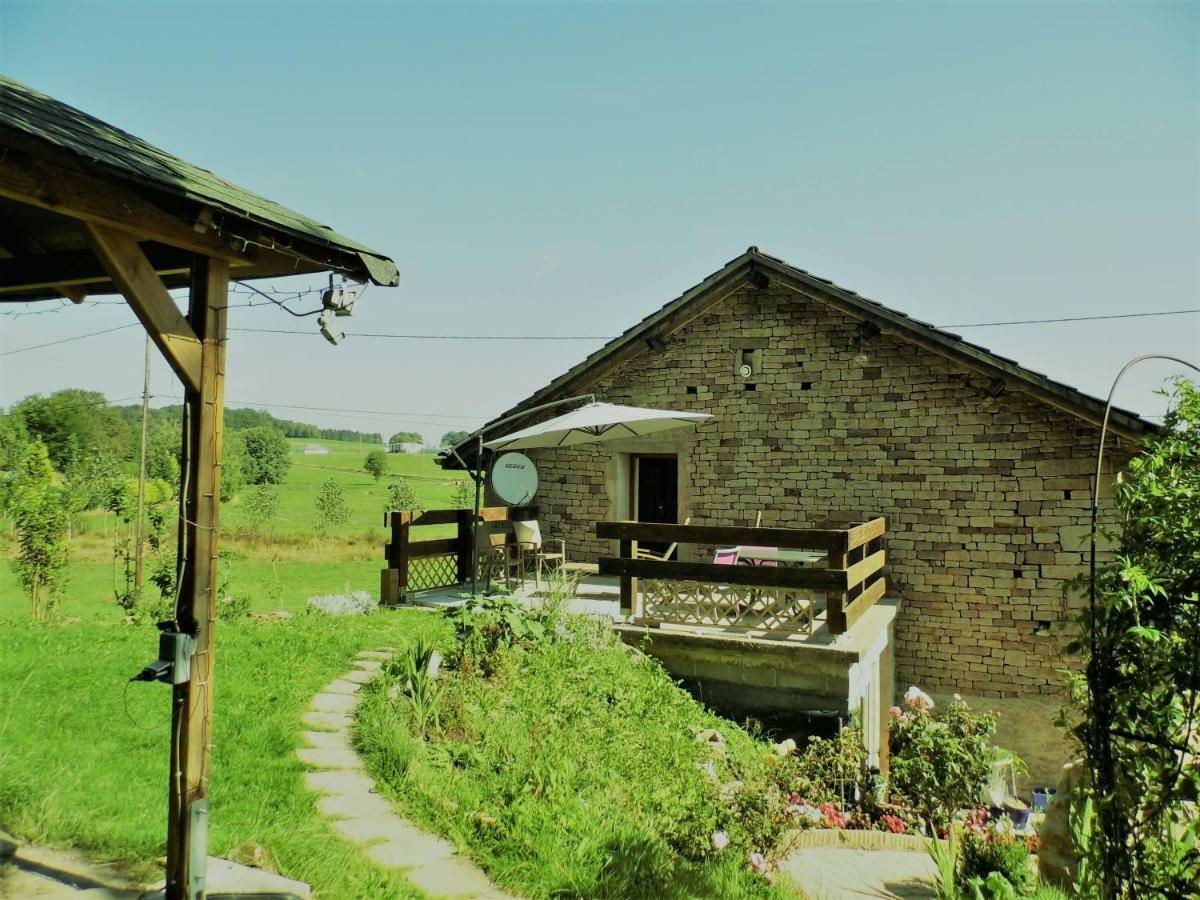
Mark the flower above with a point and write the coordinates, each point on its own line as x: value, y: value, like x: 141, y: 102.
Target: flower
x: 757, y: 863
x: 917, y: 698
x: 720, y: 840
x: 802, y: 810
x: 894, y: 824
x: 894, y: 712
x: 958, y: 698
x: 832, y: 816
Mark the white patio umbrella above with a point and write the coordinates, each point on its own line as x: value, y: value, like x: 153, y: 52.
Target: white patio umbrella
x: 595, y: 422
x: 590, y: 423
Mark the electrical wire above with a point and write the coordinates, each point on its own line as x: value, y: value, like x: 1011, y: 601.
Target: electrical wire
x: 1141, y: 315
x: 78, y: 337
x: 442, y: 337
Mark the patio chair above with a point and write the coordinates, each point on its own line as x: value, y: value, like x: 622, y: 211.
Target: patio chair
x: 644, y: 553
x: 540, y: 551
x: 501, y: 559
x: 726, y: 557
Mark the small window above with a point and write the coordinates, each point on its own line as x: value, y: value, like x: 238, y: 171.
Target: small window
x: 692, y: 390
x: 750, y: 387
x: 806, y: 385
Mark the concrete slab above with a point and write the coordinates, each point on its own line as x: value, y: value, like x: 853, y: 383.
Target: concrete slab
x: 329, y: 758
x: 832, y: 874
x: 354, y: 806
x: 339, y: 782
x: 328, y: 721
x: 334, y: 703
x: 372, y: 829
x: 375, y: 654
x: 368, y: 665
x: 341, y: 686
x: 328, y: 740
x: 453, y: 877
x: 415, y: 848
x: 359, y: 676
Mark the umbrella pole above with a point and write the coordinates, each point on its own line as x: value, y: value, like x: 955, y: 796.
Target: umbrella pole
x: 475, y: 518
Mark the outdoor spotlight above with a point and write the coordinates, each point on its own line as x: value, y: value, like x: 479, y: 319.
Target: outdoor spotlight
x: 339, y: 300
x: 329, y: 331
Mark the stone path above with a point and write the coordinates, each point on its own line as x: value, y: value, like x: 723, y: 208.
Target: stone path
x: 365, y: 817
x: 825, y: 873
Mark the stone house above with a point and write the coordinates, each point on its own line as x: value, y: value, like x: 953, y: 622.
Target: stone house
x: 829, y: 408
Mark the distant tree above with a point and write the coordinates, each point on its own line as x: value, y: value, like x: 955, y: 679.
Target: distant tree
x: 376, y: 464
x: 450, y: 438
x: 267, y: 455
x: 13, y: 441
x: 406, y: 437
x: 40, y: 519
x: 89, y: 479
x: 401, y: 497
x: 331, y: 506
x: 76, y: 415
x: 233, y: 465
x: 163, y: 452
x: 260, y: 506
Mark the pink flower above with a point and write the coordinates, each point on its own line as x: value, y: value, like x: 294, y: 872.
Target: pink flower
x: 917, y: 698
x: 894, y: 712
x: 757, y: 863
x: 720, y: 840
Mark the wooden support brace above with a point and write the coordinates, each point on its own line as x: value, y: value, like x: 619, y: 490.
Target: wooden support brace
x: 143, y: 289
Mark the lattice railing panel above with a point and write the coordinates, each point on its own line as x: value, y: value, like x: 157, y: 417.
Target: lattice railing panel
x: 428, y: 572
x: 728, y: 606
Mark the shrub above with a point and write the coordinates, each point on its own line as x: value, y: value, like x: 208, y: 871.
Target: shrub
x: 267, y: 457
x: 331, y: 506
x: 988, y: 850
x: 939, y: 763
x: 401, y: 497
x: 831, y: 769
x: 260, y: 506
x: 485, y: 626
x: 40, y: 519
x: 463, y: 496
x: 375, y: 464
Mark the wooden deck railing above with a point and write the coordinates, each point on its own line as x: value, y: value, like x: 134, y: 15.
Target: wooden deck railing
x: 422, y: 565
x: 774, y: 598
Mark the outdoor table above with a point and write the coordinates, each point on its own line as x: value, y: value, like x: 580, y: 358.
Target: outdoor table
x: 756, y: 556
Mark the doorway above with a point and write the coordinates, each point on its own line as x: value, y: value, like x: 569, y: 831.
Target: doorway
x: 655, y: 491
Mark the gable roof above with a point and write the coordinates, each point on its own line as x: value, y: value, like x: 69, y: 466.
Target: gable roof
x: 758, y: 269
x: 118, y: 155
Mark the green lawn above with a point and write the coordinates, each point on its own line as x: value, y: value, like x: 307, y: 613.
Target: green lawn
x: 83, y: 753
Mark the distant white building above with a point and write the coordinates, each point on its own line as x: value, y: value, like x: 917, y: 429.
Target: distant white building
x: 406, y: 448
x: 314, y: 450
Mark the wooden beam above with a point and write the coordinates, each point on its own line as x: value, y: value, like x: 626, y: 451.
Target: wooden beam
x: 10, y: 237
x: 754, y: 576
x: 42, y: 182
x: 191, y: 719
x: 724, y: 535
x: 77, y: 267
x: 135, y: 276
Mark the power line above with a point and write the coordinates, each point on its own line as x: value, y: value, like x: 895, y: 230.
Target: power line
x: 78, y: 337
x: 442, y: 337
x: 1142, y: 315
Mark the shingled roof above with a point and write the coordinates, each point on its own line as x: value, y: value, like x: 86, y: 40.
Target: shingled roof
x: 758, y: 269
x: 32, y: 121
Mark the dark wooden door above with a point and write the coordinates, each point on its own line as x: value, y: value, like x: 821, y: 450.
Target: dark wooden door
x: 657, y: 491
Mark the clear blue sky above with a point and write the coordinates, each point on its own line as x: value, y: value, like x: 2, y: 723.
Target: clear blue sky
x: 566, y: 169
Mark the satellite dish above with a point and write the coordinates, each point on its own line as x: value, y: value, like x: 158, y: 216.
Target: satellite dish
x: 514, y: 479
x: 745, y: 370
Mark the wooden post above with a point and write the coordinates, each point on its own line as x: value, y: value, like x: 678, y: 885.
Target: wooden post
x: 625, y: 551
x: 835, y: 601
x: 463, y: 560
x: 191, y: 710
x: 400, y: 536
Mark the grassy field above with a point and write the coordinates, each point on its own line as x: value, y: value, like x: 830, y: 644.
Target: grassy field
x: 83, y: 753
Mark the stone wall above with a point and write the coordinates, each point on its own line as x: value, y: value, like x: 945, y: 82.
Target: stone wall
x: 985, y: 491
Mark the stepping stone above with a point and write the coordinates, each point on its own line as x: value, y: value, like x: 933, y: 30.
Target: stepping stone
x: 359, y: 676
x: 449, y: 878
x: 374, y: 654
x: 326, y: 758
x: 339, y: 781
x: 354, y: 805
x: 411, y: 847
x: 328, y: 721
x: 371, y: 829
x: 334, y: 703
x: 327, y: 740
x: 341, y: 686
x: 368, y: 665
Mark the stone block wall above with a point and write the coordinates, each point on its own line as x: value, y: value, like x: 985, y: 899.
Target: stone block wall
x: 985, y: 491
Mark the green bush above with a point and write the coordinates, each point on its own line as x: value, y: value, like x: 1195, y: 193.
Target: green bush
x: 940, y: 763
x: 984, y: 851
